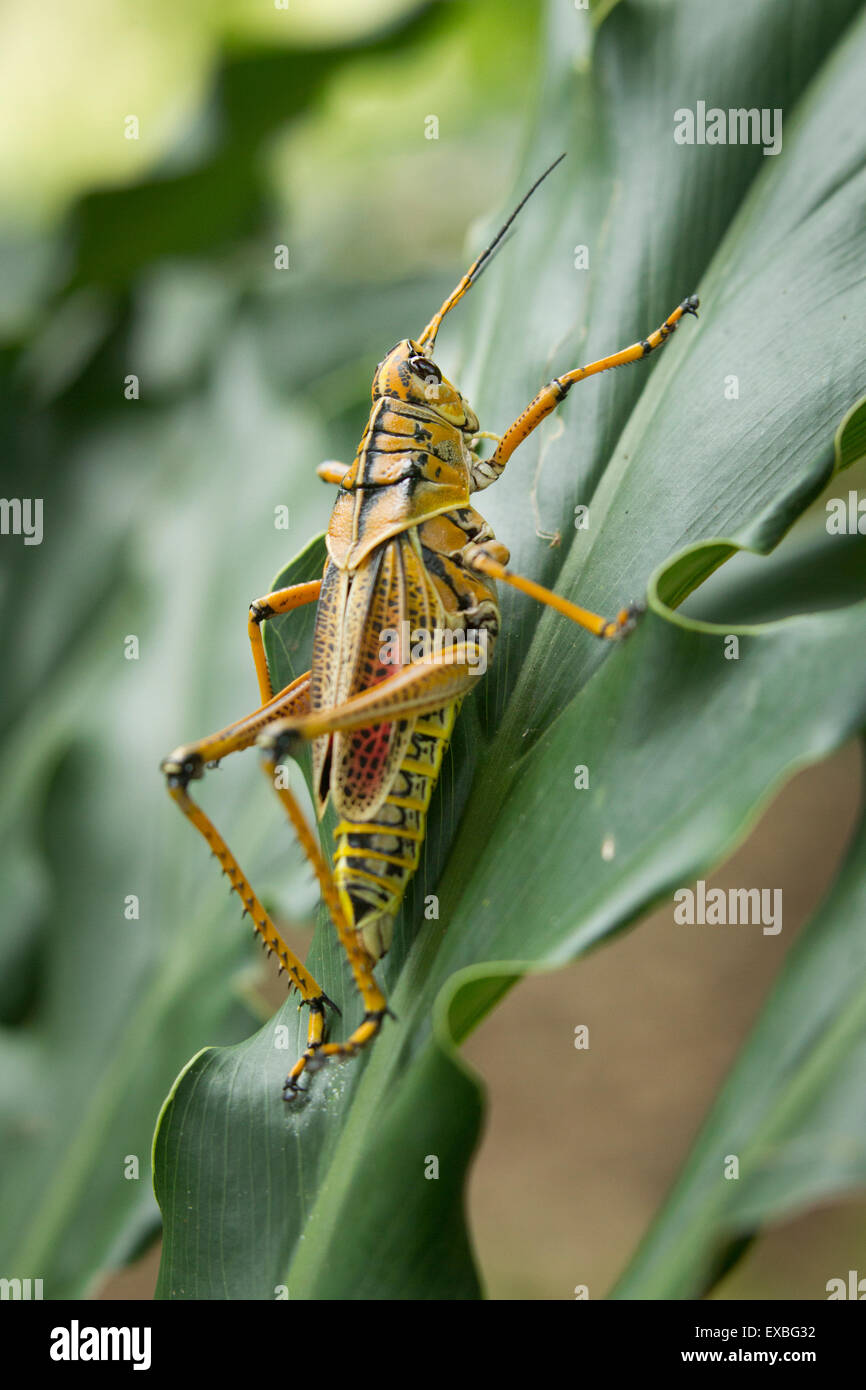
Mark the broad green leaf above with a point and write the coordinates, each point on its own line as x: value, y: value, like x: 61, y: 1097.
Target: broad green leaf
x: 684, y: 747
x: 225, y: 1150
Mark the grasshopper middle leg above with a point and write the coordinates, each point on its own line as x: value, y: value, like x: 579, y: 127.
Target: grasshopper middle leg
x: 488, y: 559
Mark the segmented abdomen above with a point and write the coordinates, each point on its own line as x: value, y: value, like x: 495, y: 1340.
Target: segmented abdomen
x: 374, y: 860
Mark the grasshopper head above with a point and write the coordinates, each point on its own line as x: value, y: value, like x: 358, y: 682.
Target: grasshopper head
x: 407, y: 375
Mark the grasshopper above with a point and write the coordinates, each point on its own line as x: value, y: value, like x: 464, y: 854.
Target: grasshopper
x: 406, y: 551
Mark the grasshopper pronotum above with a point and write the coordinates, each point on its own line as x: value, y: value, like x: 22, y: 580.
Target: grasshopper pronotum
x: 405, y: 547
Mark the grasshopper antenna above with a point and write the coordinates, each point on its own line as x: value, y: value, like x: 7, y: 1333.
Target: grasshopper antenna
x: 428, y: 337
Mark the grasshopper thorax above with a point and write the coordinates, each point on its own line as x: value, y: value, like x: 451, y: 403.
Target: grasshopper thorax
x: 405, y: 374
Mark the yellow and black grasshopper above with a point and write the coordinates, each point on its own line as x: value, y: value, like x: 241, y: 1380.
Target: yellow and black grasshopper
x: 406, y: 552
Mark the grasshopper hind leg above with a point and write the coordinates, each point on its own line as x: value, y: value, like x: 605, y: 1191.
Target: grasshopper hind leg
x: 367, y: 940
x: 274, y: 746
x: 425, y: 687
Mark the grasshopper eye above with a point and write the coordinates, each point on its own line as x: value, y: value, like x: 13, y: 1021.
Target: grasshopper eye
x: 422, y: 367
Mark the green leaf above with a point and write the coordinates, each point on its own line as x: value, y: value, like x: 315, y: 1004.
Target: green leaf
x: 227, y: 1153
x: 685, y: 747
x: 851, y: 437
